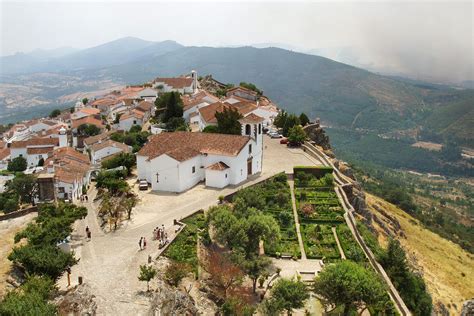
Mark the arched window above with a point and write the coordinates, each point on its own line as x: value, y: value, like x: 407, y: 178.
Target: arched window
x: 248, y: 129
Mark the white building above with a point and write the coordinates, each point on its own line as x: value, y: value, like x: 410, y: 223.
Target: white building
x: 129, y: 119
x: 183, y: 85
x: 35, y: 149
x: 103, y: 150
x: 175, y: 162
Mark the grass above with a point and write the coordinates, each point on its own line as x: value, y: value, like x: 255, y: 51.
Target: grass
x: 319, y: 241
x: 447, y: 268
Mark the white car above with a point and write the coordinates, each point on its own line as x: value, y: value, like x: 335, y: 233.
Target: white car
x: 143, y: 185
x: 274, y: 135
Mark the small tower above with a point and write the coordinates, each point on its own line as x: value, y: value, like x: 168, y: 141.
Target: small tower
x: 195, y: 80
x: 62, y: 137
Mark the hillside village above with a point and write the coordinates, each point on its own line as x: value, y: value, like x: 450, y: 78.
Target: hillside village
x: 179, y: 174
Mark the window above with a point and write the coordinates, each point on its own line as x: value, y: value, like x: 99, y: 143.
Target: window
x: 134, y: 122
x: 61, y: 189
x: 250, y: 148
x: 247, y: 129
x: 226, y: 175
x: 194, y: 169
x: 259, y: 128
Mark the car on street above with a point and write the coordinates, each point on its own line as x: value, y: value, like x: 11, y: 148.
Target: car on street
x: 274, y: 135
x: 284, y: 141
x: 143, y: 185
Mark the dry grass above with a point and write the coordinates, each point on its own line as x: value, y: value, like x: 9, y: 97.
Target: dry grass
x: 447, y: 269
x: 8, y: 229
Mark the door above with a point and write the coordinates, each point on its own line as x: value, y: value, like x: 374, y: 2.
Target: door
x: 249, y: 166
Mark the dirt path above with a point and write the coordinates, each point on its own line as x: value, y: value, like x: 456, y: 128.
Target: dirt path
x: 341, y: 252
x: 297, y: 222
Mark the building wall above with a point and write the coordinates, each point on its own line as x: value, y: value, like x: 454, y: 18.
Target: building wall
x: 33, y: 160
x: 98, y: 156
x: 188, y: 178
x: 168, y: 174
x: 217, y: 179
x: 193, y: 110
x: 17, y: 152
x: 143, y: 169
x: 127, y: 124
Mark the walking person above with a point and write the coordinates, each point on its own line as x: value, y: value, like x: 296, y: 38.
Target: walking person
x: 88, y: 233
x: 144, y: 243
x: 140, y: 243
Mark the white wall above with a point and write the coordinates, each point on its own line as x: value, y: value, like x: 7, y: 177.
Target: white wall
x: 32, y: 160
x: 127, y: 124
x: 168, y: 175
x: 98, y: 155
x: 17, y: 152
x: 217, y: 179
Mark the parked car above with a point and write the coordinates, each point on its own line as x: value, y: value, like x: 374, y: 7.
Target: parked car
x: 274, y: 135
x: 284, y: 141
x: 143, y: 185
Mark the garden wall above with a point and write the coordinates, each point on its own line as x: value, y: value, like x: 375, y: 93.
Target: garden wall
x: 317, y: 171
x: 19, y: 213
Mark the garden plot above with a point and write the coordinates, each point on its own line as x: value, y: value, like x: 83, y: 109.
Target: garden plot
x: 277, y: 203
x: 319, y: 209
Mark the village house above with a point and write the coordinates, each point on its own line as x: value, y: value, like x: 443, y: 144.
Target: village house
x: 183, y: 85
x: 147, y: 108
x: 243, y: 92
x: 129, y: 119
x: 194, y: 102
x: 69, y: 171
x: 37, y: 150
x: 85, y: 112
x: 92, y: 140
x: 207, y: 114
x: 4, y: 158
x: 104, y: 150
x: 177, y: 161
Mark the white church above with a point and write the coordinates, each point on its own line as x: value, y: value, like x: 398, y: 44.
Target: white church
x: 175, y: 162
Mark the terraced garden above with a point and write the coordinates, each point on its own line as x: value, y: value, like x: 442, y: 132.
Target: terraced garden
x: 319, y: 209
x: 277, y: 196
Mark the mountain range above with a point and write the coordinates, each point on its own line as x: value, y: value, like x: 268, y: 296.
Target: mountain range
x: 343, y: 96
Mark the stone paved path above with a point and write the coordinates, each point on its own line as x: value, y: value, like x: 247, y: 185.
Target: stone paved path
x: 297, y: 222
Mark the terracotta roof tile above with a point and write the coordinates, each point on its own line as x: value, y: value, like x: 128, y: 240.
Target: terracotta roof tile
x: 251, y: 118
x: 176, y: 83
x: 4, y: 153
x: 35, y: 142
x: 39, y: 150
x: 87, y: 120
x: 110, y: 143
x: 218, y: 166
x: 208, y: 113
x: 186, y: 144
x: 94, y: 139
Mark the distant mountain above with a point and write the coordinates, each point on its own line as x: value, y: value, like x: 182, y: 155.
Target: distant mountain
x: 117, y: 52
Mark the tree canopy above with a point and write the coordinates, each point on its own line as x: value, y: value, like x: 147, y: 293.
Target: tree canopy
x: 127, y: 160
x: 147, y: 273
x: 351, y: 285
x: 304, y: 119
x: 24, y: 186
x: 171, y: 103
x: 285, y: 296
x: 296, y: 135
x: 17, y: 164
x: 228, y: 121
x: 88, y: 130
x: 55, y: 113
x: 251, y: 86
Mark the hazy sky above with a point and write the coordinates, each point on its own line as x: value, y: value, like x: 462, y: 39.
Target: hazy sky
x: 422, y: 39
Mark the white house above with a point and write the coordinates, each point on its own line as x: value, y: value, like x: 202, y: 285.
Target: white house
x: 129, y: 119
x: 183, y: 85
x: 35, y: 149
x: 103, y: 150
x: 207, y: 114
x: 196, y: 101
x: 148, y: 94
x: 177, y: 161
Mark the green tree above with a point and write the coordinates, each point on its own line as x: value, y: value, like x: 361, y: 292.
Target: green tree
x: 176, y: 124
x: 304, y: 119
x: 24, y: 186
x: 17, y: 164
x: 350, y: 285
x: 126, y: 160
x: 85, y: 100
x: 280, y: 119
x: 285, y: 296
x: 210, y: 129
x: 8, y: 202
x: 291, y: 121
x: 252, y: 87
x: 228, y: 121
x: 296, y: 135
x: 171, y: 103
x: 411, y: 287
x: 30, y: 299
x: 255, y: 267
x: 175, y: 272
x: 88, y: 130
x: 41, y: 162
x: 147, y: 273
x: 55, y: 113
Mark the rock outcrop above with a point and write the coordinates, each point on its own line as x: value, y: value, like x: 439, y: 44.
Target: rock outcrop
x: 468, y: 308
x: 167, y: 300
x: 77, y: 301
x: 317, y: 135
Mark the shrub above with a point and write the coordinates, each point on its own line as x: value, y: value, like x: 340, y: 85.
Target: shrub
x: 17, y: 164
x: 307, y: 209
x: 175, y: 272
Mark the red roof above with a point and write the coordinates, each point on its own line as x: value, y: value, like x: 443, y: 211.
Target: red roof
x: 35, y: 142
x: 176, y: 83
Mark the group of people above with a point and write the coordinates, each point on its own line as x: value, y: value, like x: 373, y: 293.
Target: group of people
x: 161, y: 235
x: 142, y: 243
x: 84, y: 198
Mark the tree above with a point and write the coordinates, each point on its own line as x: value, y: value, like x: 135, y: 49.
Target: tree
x: 31, y: 298
x: 17, y: 164
x: 41, y: 162
x: 255, y: 267
x: 171, y: 103
x: 24, y: 186
x: 291, y: 120
x: 126, y: 160
x: 251, y: 86
x: 176, y: 124
x: 286, y: 295
x: 296, y: 135
x: 280, y: 119
x: 85, y: 100
x: 175, y: 272
x: 350, y: 285
x: 224, y: 275
x: 304, y: 119
x: 88, y: 130
x: 210, y: 129
x: 55, y: 113
x: 147, y: 273
x: 228, y: 121
x: 128, y: 202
